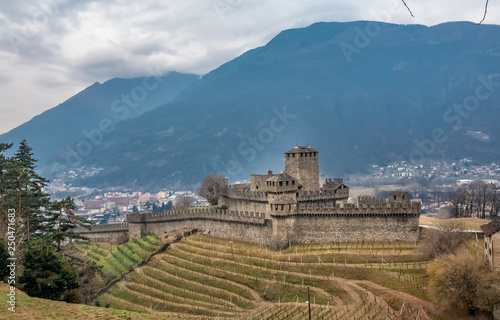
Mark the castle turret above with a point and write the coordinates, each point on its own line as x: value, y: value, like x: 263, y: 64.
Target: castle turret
x: 302, y: 164
x: 399, y: 196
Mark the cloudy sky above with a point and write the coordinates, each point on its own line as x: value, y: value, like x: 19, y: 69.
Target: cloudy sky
x: 52, y: 49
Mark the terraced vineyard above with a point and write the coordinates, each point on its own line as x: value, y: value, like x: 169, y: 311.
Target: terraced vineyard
x: 117, y: 260
x: 211, y: 278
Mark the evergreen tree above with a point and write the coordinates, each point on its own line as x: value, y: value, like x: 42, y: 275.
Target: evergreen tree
x: 135, y: 210
x: 62, y: 221
x: 169, y: 206
x: 47, y: 273
x: 4, y: 255
x: 27, y: 192
x: 155, y: 208
x: 5, y: 164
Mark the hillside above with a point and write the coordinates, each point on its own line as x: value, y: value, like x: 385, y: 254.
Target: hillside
x: 29, y: 308
x: 381, y: 104
x: 205, y: 276
x: 91, y: 109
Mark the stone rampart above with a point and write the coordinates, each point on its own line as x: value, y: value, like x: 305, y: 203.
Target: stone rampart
x: 324, y: 194
x: 104, y: 233
x: 200, y: 214
x: 245, y: 195
x: 243, y: 226
x: 368, y: 221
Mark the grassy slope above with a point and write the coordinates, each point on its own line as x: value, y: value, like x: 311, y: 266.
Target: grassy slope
x: 28, y: 308
x: 203, y: 276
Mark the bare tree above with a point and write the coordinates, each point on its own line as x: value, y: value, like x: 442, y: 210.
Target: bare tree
x: 211, y: 188
x: 183, y: 202
x: 458, y: 201
x: 495, y: 201
x: 445, y: 238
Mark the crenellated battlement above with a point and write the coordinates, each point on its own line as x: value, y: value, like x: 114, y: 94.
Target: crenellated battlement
x: 245, y: 195
x: 113, y: 227
x: 323, y: 194
x: 370, y: 205
x: 390, y: 208
x: 200, y: 214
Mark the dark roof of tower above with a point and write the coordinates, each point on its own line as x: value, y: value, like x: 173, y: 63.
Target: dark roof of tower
x: 300, y: 149
x: 281, y: 177
x: 284, y: 200
x: 492, y: 227
x: 398, y: 193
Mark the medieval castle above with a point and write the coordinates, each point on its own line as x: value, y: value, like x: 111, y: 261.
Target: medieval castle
x: 286, y: 208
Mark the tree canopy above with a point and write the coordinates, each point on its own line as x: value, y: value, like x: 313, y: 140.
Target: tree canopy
x: 41, y: 227
x: 211, y: 188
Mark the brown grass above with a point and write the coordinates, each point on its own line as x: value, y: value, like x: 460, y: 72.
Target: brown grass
x: 470, y: 223
x: 28, y: 308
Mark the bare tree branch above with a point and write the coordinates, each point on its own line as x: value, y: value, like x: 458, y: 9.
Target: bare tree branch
x: 411, y: 13
x: 485, y: 12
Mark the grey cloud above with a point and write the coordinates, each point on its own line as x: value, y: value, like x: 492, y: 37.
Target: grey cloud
x: 86, y: 41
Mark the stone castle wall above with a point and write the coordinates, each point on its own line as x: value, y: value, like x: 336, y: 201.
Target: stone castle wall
x: 104, y: 233
x: 346, y: 227
x: 344, y: 223
x: 324, y: 194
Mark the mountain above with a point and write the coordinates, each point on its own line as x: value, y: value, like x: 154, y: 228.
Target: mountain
x: 360, y: 93
x: 98, y: 107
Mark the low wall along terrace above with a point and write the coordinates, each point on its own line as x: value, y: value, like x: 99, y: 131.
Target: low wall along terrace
x: 386, y: 221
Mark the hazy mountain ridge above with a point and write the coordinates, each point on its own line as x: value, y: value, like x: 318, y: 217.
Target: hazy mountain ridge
x: 381, y: 102
x: 64, y: 124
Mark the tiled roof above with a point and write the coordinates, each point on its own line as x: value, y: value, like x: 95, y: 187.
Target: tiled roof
x: 281, y: 177
x: 492, y: 227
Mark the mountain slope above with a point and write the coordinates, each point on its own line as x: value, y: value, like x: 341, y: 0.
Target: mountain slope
x: 98, y: 106
x: 360, y: 93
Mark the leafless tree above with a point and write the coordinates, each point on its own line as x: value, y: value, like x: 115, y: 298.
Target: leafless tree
x: 445, y: 238
x: 183, y: 202
x: 211, y: 188
x: 476, y: 199
x: 495, y: 201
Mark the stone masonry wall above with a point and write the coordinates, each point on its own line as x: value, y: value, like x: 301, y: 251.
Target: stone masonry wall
x: 242, y: 226
x: 104, y: 233
x: 343, y: 223
x: 309, y: 228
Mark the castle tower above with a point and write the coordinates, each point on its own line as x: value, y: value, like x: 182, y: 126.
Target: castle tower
x: 302, y: 164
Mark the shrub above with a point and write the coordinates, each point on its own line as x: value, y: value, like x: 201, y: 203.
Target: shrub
x: 72, y: 296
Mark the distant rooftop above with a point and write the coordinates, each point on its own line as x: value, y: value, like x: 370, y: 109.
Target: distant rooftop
x: 301, y: 149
